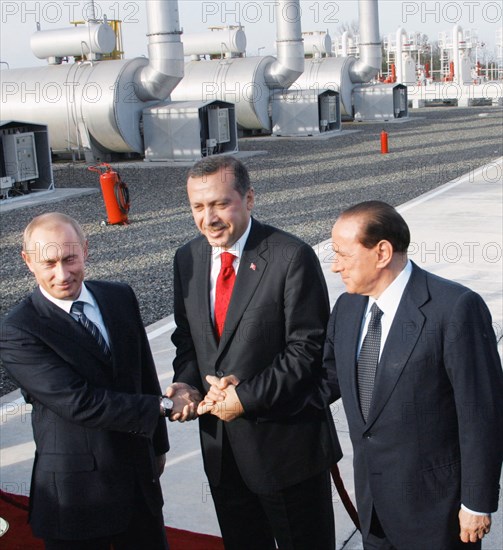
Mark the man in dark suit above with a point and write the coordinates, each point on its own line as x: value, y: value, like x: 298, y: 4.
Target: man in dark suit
x: 97, y: 415
x: 425, y: 425
x: 268, y: 467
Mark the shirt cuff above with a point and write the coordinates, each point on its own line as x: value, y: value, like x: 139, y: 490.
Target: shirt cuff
x: 474, y: 513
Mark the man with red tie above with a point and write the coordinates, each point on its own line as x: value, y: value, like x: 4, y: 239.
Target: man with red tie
x: 251, y: 307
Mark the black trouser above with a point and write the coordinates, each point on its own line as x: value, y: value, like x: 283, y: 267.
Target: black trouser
x: 300, y: 517
x: 145, y: 531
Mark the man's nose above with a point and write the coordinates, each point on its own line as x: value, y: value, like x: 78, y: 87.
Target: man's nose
x: 336, y: 266
x: 209, y: 216
x: 61, y: 271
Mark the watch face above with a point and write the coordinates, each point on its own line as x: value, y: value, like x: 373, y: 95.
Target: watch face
x: 167, y: 403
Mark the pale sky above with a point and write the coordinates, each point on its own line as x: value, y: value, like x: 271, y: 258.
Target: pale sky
x: 19, y: 17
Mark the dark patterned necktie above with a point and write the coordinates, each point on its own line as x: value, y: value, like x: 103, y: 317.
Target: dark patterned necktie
x: 78, y: 309
x: 225, y: 284
x: 368, y: 359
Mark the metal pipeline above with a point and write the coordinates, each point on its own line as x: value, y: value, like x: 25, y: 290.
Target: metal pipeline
x: 401, y: 35
x: 457, y: 37
x: 157, y: 80
x: 289, y: 64
x: 346, y: 37
x: 369, y: 64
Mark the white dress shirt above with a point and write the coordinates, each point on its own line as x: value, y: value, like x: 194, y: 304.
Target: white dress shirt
x: 237, y: 250
x: 388, y: 303
x: 91, y: 309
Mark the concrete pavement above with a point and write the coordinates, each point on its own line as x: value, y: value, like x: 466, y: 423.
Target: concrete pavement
x: 456, y: 233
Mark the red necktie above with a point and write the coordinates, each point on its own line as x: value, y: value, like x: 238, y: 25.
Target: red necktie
x: 225, y: 284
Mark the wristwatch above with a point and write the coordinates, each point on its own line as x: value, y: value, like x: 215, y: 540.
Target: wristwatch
x: 166, y: 405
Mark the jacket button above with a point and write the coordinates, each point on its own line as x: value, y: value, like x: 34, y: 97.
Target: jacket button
x: 220, y: 374
x: 367, y: 435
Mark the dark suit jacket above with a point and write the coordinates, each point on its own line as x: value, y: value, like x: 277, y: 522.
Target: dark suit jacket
x: 95, y: 421
x: 273, y: 342
x: 433, y: 436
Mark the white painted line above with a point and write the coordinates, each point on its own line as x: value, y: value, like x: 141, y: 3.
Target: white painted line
x: 170, y: 325
x: 17, y: 453
x: 12, y: 408
x: 470, y: 176
x: 182, y: 458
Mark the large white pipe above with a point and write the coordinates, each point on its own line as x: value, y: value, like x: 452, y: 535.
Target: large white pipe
x: 289, y: 64
x: 401, y: 35
x: 92, y: 38
x: 227, y: 41
x: 346, y: 36
x: 165, y: 51
x: 369, y: 64
x: 317, y: 44
x: 457, y: 37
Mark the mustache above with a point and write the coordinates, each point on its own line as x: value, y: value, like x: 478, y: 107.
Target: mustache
x: 214, y: 226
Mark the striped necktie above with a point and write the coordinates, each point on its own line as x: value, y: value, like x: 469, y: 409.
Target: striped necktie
x: 78, y: 309
x: 368, y: 359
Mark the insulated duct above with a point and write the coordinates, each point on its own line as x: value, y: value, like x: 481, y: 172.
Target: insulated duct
x: 401, y: 36
x: 165, y: 50
x: 346, y: 37
x: 369, y: 64
x: 289, y: 63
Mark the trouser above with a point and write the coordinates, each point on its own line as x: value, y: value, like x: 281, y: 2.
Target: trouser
x: 299, y: 517
x: 145, y: 531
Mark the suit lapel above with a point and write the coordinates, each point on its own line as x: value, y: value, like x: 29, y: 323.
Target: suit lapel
x: 347, y: 335
x: 251, y: 270
x: 402, y: 338
x: 202, y: 290
x: 65, y: 329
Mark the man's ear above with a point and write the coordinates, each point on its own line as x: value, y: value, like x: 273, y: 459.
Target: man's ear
x: 384, y: 253
x: 85, y: 249
x: 27, y: 259
x: 250, y: 198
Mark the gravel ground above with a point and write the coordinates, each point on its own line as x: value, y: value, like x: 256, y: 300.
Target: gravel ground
x: 301, y: 185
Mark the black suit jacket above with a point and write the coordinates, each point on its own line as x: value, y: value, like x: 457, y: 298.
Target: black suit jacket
x: 272, y: 341
x: 432, y: 439
x: 96, y: 422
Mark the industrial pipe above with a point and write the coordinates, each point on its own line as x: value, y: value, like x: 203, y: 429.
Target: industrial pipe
x: 228, y: 41
x: 90, y: 40
x: 369, y: 64
x: 317, y: 44
x: 157, y: 80
x: 457, y: 37
x: 401, y: 34
x: 346, y: 37
x: 289, y: 64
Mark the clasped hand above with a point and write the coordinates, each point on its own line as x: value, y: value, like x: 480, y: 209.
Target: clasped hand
x: 185, y: 401
x: 222, y: 399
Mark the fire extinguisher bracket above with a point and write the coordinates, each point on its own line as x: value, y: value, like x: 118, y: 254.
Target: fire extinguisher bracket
x: 115, y: 194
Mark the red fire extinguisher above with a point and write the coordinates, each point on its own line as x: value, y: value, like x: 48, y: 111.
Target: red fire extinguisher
x: 115, y: 194
x: 384, y: 142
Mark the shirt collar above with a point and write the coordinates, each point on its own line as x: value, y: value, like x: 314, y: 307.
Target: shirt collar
x: 66, y: 305
x: 237, y: 248
x: 389, y: 300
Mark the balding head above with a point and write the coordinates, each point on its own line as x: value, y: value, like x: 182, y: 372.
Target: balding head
x: 48, y: 221
x: 55, y: 251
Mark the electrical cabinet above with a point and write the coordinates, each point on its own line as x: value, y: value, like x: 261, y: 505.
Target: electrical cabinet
x: 20, y: 156
x: 218, y: 122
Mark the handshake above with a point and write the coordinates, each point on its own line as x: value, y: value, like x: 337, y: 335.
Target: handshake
x: 221, y: 400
